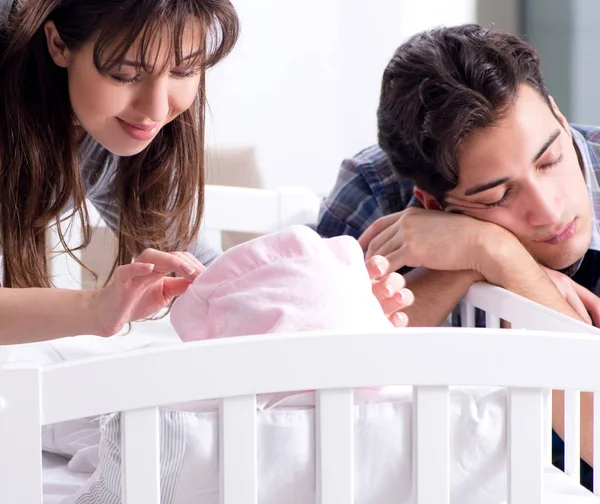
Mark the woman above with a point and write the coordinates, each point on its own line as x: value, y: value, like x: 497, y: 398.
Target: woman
x: 104, y: 101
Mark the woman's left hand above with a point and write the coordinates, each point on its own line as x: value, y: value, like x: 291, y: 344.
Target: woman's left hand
x: 390, y: 290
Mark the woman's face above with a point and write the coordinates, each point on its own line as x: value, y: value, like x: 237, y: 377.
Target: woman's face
x: 125, y: 109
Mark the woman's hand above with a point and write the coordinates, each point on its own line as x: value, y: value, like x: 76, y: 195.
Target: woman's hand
x: 142, y: 288
x: 390, y: 291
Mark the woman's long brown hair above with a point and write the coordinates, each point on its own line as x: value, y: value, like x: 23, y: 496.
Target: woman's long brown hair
x: 160, y: 191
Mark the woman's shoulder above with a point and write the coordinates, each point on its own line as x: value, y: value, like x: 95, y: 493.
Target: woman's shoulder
x: 98, y: 165
x: 5, y: 6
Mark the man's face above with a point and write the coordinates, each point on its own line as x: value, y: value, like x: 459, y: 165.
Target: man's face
x: 524, y: 175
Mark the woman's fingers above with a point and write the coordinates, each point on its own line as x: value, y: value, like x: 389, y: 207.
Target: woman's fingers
x: 166, y: 263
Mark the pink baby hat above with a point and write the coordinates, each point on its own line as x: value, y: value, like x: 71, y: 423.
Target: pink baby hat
x: 289, y: 281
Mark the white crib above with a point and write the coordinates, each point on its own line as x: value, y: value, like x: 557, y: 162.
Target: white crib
x: 543, y: 351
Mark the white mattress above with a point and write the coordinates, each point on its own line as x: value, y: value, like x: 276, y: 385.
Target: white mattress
x: 59, y: 481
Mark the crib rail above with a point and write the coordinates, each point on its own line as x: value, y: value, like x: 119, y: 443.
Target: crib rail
x: 519, y: 312
x: 149, y: 378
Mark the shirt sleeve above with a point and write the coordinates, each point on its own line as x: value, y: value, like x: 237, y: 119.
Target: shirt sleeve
x: 351, y: 206
x: 103, y: 200
x: 108, y: 209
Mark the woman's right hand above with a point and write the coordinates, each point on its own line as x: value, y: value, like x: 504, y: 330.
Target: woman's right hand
x: 142, y: 288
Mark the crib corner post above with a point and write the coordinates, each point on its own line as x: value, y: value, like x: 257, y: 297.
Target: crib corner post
x: 20, y: 434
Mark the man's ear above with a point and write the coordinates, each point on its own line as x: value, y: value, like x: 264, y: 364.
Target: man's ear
x: 58, y: 50
x: 428, y: 201
x: 561, y: 118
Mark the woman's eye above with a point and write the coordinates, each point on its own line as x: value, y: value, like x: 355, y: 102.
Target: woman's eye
x: 125, y: 79
x: 185, y: 74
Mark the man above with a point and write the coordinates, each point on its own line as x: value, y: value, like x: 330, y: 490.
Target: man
x: 477, y: 176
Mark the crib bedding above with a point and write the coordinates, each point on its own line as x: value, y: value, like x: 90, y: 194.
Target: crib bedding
x: 142, y: 334
x: 60, y: 484
x: 285, y: 440
x: 59, y: 481
x: 286, y: 462
x: 286, y: 449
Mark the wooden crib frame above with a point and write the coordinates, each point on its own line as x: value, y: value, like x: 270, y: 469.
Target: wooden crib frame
x: 543, y: 351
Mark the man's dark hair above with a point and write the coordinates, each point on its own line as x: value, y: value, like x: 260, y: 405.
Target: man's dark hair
x: 440, y: 87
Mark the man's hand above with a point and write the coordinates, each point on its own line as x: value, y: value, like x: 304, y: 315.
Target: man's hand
x: 583, y: 301
x: 390, y: 291
x: 430, y: 238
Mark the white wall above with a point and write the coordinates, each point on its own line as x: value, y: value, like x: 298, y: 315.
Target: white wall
x: 299, y: 93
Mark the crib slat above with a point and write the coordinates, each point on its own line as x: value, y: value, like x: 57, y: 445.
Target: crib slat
x: 572, y: 436
x: 467, y: 314
x: 431, y: 473
x: 548, y: 425
x: 335, y: 446
x: 525, y: 446
x: 596, y: 474
x: 20, y: 436
x: 238, y: 450
x: 140, y: 446
x: 492, y: 321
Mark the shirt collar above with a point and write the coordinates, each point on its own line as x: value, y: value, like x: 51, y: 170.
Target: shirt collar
x: 589, y: 164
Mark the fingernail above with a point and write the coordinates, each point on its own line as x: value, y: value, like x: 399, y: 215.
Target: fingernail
x: 187, y: 268
x: 380, y: 269
x: 399, y: 296
x: 389, y: 290
x: 401, y: 318
x: 149, y: 267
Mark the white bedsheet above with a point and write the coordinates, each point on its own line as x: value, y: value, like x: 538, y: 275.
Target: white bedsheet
x: 142, y: 335
x: 59, y: 481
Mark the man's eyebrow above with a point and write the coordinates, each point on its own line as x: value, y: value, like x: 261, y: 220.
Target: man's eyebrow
x: 139, y: 64
x: 495, y: 183
x: 548, y: 143
x: 485, y: 186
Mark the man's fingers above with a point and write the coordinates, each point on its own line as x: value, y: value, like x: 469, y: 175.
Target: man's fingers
x: 577, y: 304
x: 382, y: 244
x: 590, y: 301
x: 397, y: 260
x: 375, y: 229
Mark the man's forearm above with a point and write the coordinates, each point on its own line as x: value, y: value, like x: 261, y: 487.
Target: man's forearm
x: 436, y: 294
x: 507, y: 264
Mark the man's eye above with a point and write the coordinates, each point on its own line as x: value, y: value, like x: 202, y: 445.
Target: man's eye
x: 498, y: 202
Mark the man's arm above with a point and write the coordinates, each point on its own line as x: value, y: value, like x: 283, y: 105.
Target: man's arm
x: 436, y: 294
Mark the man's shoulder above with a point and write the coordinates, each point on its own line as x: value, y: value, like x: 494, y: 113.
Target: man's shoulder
x: 370, y: 160
x: 371, y: 165
x: 591, y: 134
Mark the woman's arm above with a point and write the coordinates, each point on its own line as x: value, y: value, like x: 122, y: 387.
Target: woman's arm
x: 137, y: 290
x: 29, y: 315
